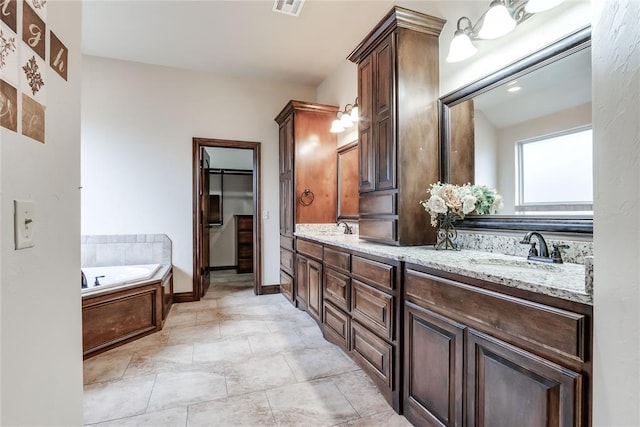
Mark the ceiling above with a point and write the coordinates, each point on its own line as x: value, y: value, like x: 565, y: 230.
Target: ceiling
x: 239, y: 38
x: 555, y: 87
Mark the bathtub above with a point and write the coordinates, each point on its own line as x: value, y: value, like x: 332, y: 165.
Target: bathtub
x: 112, y: 276
x: 129, y: 302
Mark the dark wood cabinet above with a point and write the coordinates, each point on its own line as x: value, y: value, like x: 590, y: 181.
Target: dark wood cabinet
x: 308, y: 176
x: 398, y: 134
x: 433, y: 366
x: 476, y: 356
x: 309, y: 278
x: 361, y: 314
x: 244, y: 243
x: 508, y: 386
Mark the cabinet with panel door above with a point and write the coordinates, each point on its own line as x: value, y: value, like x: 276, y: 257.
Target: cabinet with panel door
x: 309, y: 278
x: 478, y: 357
x: 362, y: 316
x: 398, y: 134
x: 308, y: 177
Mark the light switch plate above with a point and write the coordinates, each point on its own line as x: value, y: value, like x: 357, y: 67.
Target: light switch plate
x: 23, y: 225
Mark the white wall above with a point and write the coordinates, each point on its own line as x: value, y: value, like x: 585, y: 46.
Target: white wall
x: 486, y: 152
x: 341, y: 88
x: 41, y: 355
x: 508, y: 137
x: 138, y: 122
x: 616, y: 132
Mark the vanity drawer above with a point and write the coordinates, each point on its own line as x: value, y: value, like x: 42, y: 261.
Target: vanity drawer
x: 308, y: 248
x: 338, y: 260
x: 286, y: 260
x: 494, y: 313
x: 287, y: 243
x: 286, y: 285
x: 372, y: 353
x: 336, y: 326
x: 372, y: 308
x: 337, y: 288
x: 375, y: 273
x: 383, y: 230
x: 378, y: 204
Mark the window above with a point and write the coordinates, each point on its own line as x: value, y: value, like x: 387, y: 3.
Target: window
x: 555, y: 172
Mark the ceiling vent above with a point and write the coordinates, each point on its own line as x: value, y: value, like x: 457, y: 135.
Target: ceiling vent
x: 288, y: 7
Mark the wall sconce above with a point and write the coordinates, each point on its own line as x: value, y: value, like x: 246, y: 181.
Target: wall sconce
x: 500, y: 19
x: 346, y: 118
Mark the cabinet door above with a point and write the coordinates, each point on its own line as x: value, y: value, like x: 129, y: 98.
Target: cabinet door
x: 302, y: 281
x: 314, y: 286
x: 286, y: 285
x: 508, y: 386
x: 286, y: 177
x: 433, y: 364
x: 383, y: 116
x: 365, y: 99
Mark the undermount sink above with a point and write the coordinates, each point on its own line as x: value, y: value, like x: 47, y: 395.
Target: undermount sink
x: 514, y: 264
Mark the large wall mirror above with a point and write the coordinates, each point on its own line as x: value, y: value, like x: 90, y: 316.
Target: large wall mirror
x: 526, y: 131
x: 348, y: 181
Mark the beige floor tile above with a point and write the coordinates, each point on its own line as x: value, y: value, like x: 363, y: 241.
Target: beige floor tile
x: 275, y: 343
x: 117, y: 399
x: 174, y: 417
x: 183, y: 388
x: 385, y: 419
x: 312, y: 363
x: 207, y: 332
x: 234, y: 328
x: 312, y: 336
x: 247, y: 410
x: 288, y: 322
x: 227, y: 349
x: 161, y: 359
x: 106, y: 367
x: 361, y: 392
x: 190, y: 307
x: 258, y: 373
x: 209, y: 316
x: 180, y: 319
x: 314, y: 403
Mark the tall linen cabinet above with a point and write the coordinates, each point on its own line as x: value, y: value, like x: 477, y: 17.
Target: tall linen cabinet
x: 308, y: 178
x: 398, y: 89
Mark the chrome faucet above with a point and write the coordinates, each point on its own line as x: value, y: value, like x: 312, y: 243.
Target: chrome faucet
x: 542, y: 255
x: 347, y: 227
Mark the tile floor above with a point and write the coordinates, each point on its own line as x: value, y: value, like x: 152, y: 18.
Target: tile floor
x: 232, y: 359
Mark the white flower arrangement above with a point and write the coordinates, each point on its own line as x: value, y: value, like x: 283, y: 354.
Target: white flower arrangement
x: 460, y: 200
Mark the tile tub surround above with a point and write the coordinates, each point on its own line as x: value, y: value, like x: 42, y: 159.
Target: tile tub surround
x: 566, y: 281
x: 125, y: 249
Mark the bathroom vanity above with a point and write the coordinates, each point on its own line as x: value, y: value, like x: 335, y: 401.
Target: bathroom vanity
x: 455, y: 338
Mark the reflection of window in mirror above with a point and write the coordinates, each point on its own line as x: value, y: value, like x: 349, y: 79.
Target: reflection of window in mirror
x: 554, y: 173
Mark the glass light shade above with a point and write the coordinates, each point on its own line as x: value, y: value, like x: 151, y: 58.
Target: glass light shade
x: 345, y: 121
x: 355, y: 114
x: 537, y: 6
x: 497, y: 22
x: 460, y: 48
x: 336, y: 127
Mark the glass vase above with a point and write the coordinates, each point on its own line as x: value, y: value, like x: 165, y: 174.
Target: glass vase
x: 447, y: 233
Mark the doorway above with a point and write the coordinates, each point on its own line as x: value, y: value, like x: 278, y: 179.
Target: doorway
x: 209, y: 177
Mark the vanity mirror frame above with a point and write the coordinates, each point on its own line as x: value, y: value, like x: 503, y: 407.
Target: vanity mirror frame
x: 573, y: 43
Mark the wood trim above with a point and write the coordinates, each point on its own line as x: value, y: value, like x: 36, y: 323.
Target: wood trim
x: 222, y: 267
x: 199, y: 143
x: 397, y: 17
x: 294, y: 105
x: 270, y: 289
x: 183, y: 297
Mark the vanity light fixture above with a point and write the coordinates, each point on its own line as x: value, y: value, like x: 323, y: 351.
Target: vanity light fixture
x: 336, y: 125
x: 346, y: 118
x: 500, y: 19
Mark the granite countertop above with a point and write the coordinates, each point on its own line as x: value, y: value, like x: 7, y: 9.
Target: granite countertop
x: 566, y: 281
